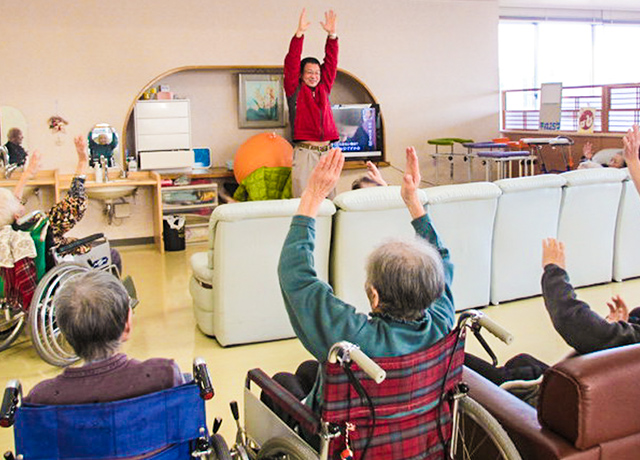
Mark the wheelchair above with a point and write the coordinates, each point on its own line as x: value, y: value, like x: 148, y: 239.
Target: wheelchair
x: 412, y: 406
x: 168, y: 425
x: 40, y: 313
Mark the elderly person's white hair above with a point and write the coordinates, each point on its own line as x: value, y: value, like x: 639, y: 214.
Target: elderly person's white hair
x: 10, y: 206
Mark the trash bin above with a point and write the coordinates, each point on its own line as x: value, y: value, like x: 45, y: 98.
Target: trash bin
x: 173, y: 233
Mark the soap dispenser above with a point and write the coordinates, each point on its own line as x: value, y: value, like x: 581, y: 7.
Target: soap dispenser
x: 132, y: 164
x: 97, y: 169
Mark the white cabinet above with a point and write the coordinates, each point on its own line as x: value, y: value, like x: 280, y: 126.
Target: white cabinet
x: 163, y: 134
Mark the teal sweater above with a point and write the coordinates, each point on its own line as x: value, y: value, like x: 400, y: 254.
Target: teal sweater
x: 320, y: 319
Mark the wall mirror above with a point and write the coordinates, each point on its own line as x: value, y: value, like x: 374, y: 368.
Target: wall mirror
x: 103, y: 140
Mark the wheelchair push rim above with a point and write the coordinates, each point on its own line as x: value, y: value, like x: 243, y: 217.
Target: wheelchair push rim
x: 45, y: 333
x: 12, y: 321
x: 480, y: 435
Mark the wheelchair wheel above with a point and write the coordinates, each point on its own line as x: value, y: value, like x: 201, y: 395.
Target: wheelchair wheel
x: 480, y: 435
x: 11, y: 324
x: 45, y: 334
x: 286, y: 449
x: 220, y: 447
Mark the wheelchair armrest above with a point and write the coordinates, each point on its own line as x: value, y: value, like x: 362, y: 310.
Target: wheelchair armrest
x: 303, y: 414
x: 62, y: 250
x: 10, y: 402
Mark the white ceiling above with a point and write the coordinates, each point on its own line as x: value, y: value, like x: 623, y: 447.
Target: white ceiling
x: 628, y: 5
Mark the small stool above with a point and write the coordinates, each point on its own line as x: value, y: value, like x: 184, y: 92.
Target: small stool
x: 490, y: 145
x: 504, y: 158
x: 447, y: 142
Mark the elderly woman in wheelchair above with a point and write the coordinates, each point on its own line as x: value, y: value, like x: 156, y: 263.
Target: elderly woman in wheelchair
x: 407, y: 286
x: 409, y: 333
x: 112, y: 406
x: 32, y: 251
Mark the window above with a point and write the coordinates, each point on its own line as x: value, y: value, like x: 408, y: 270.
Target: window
x: 594, y: 62
x: 574, y: 53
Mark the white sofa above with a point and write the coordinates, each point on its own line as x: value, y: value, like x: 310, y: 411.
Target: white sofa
x: 494, y: 232
x: 234, y: 285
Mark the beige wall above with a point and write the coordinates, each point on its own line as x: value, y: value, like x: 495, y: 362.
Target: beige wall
x: 432, y: 65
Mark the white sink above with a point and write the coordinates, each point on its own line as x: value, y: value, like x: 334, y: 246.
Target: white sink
x: 111, y: 190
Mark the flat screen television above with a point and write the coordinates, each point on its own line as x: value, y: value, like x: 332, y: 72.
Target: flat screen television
x: 359, y: 131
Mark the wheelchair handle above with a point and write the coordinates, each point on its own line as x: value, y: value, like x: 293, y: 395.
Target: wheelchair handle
x: 202, y: 378
x: 345, y: 352
x: 62, y: 250
x: 493, y: 327
x: 10, y: 401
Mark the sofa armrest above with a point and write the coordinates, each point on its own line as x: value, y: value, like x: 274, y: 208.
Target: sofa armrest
x: 592, y: 399
x: 520, y: 421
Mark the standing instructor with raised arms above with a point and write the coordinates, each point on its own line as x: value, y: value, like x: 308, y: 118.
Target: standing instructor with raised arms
x: 307, y: 85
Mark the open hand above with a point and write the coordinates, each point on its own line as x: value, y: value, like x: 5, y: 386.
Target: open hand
x: 81, y: 148
x: 631, y: 143
x: 323, y: 179
x: 553, y: 253
x: 325, y: 175
x: 33, y: 164
x: 587, y: 150
x: 373, y: 173
x: 303, y: 24
x: 618, y: 310
x: 329, y: 24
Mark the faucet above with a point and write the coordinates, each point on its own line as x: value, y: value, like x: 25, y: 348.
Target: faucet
x: 105, y: 169
x: 8, y: 169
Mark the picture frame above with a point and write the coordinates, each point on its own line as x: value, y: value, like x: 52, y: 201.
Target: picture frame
x: 261, y: 101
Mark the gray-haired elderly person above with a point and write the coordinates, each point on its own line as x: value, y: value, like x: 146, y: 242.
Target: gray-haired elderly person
x: 93, y: 313
x: 407, y: 285
x: 17, y: 153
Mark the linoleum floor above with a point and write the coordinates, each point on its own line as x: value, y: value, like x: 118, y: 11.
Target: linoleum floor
x: 164, y: 326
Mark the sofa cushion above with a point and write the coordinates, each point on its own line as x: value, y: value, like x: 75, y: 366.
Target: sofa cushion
x: 593, y: 399
x: 626, y: 263
x: 463, y: 215
x: 588, y: 215
x: 528, y: 211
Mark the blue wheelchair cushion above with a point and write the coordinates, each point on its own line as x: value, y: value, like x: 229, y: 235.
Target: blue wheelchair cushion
x: 119, y: 429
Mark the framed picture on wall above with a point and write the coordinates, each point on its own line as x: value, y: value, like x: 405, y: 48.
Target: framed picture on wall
x: 261, y: 101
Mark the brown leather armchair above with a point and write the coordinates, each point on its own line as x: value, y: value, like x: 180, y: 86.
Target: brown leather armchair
x: 588, y: 408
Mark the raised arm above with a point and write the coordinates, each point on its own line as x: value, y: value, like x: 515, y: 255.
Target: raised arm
x: 410, y: 184
x: 292, y: 59
x: 330, y: 63
x: 81, y: 151
x: 631, y: 143
x: 579, y: 326
x: 30, y: 170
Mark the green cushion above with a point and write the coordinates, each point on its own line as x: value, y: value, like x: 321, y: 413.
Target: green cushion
x: 265, y: 184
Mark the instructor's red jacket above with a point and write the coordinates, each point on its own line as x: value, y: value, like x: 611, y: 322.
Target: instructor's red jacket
x: 309, y: 108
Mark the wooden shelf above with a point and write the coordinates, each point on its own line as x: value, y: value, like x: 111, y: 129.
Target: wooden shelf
x: 210, y: 173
